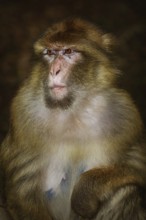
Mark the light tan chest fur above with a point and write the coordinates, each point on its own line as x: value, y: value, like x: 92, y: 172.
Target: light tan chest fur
x: 77, y: 144
x: 66, y: 164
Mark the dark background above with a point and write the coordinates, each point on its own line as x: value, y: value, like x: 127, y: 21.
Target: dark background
x: 22, y: 22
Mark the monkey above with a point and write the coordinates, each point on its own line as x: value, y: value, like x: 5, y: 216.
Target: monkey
x: 75, y: 148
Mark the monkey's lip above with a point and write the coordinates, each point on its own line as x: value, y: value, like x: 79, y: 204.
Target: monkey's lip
x: 57, y: 87
x: 59, y: 90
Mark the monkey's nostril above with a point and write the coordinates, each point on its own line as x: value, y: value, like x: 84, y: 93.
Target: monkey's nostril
x: 57, y: 72
x: 54, y: 73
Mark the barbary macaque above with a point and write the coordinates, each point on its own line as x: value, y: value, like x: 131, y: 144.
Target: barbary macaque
x: 75, y: 149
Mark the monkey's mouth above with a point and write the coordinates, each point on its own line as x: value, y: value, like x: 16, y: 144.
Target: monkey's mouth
x: 58, y: 91
x: 57, y: 87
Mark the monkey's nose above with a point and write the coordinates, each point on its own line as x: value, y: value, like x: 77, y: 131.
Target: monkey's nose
x: 55, y: 72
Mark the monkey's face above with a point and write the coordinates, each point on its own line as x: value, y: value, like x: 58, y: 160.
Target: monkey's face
x: 60, y: 63
x: 73, y: 53
x: 67, y: 73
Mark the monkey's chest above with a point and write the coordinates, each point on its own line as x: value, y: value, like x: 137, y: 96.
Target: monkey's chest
x: 61, y: 175
x: 65, y: 167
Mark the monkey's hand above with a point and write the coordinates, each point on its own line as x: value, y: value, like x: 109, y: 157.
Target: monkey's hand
x: 96, y: 185
x: 84, y: 200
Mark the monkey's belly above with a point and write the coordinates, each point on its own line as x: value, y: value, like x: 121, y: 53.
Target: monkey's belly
x: 64, y: 169
x: 59, y: 198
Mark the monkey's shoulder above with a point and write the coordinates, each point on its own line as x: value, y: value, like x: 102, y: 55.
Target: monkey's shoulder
x: 112, y: 106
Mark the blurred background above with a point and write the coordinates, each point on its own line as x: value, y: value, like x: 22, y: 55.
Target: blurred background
x: 22, y: 22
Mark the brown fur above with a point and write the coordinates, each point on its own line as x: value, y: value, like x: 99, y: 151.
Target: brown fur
x: 87, y: 148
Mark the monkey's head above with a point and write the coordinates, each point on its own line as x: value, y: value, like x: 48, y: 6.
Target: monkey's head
x: 75, y: 58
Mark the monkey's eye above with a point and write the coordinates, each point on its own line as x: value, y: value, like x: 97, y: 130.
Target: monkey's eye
x: 48, y: 52
x: 68, y: 51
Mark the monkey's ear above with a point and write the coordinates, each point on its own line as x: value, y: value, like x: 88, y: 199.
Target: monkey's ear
x: 109, y: 42
x: 38, y: 47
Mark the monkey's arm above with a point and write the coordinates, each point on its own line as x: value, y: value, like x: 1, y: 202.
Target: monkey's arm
x: 97, y: 187
x: 23, y: 195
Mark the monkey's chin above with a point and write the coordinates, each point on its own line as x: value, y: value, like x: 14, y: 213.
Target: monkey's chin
x: 58, y: 98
